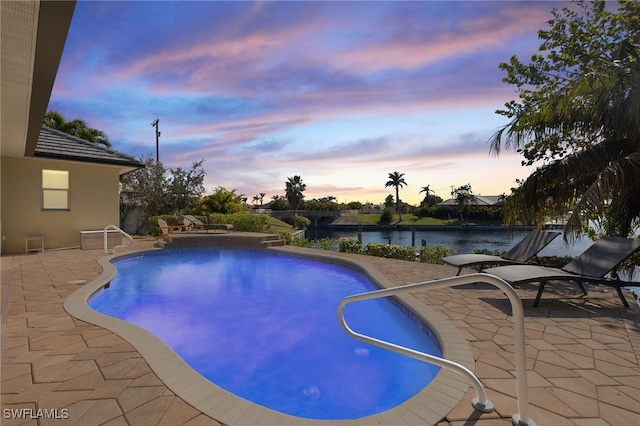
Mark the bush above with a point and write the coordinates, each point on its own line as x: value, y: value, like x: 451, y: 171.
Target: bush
x: 241, y: 221
x: 390, y: 251
x: 349, y: 245
x: 286, y: 236
x: 325, y: 244
x: 555, y: 261
x: 301, y: 242
x: 489, y: 252
x: 435, y: 253
x: 387, y: 215
x: 301, y: 222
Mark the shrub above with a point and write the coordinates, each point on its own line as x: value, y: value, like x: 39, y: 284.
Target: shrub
x: 390, y: 251
x: 349, y: 245
x: 435, y: 253
x: 555, y: 261
x: 241, y: 221
x: 387, y: 215
x: 325, y: 244
x: 301, y: 242
x: 286, y: 236
x: 301, y: 222
x: 489, y: 252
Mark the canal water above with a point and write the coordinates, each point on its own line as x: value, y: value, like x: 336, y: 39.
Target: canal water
x: 462, y: 240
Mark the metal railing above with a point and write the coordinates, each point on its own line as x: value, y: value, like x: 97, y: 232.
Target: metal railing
x: 106, y: 246
x: 480, y: 402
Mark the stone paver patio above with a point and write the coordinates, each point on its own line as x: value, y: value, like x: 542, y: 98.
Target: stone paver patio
x: 582, y: 353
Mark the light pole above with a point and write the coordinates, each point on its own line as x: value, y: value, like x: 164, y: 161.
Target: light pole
x: 155, y: 124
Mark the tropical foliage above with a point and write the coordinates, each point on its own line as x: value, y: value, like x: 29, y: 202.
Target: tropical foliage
x: 78, y: 128
x: 396, y: 180
x: 221, y: 200
x: 294, y: 188
x: 578, y: 116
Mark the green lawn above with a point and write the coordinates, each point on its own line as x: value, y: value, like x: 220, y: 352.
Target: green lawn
x: 407, y: 219
x: 276, y: 225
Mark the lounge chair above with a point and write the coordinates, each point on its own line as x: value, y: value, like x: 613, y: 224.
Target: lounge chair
x: 192, y: 223
x: 592, y: 266
x: 166, y: 229
x: 527, y: 248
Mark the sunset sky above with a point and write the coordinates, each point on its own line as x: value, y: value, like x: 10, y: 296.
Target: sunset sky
x: 340, y: 93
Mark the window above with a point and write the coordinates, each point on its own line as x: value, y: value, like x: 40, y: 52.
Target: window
x: 55, y: 190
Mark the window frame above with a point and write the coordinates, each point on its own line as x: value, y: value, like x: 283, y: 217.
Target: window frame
x: 53, y: 185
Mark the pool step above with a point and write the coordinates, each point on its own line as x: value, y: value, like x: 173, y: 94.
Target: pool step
x: 271, y: 241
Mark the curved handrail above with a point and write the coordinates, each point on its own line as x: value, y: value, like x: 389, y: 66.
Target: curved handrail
x: 106, y: 249
x: 480, y: 402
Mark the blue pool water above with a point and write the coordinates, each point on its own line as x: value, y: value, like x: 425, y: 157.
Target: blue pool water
x: 264, y: 327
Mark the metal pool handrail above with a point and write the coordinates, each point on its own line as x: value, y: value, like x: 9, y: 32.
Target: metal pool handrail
x: 106, y: 250
x: 480, y: 402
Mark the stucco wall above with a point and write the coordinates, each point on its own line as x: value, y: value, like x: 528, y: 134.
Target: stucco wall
x: 94, y: 203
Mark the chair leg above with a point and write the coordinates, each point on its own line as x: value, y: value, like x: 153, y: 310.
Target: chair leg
x: 540, y: 290
x: 584, y: 290
x: 622, y: 298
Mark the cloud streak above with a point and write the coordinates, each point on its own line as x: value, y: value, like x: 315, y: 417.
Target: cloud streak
x: 341, y: 93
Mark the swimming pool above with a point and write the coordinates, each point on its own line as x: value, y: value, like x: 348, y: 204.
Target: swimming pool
x: 263, y: 326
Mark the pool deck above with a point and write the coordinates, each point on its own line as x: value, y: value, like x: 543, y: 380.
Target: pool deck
x: 582, y: 353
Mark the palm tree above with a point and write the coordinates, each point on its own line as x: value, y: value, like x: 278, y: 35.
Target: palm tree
x: 262, y: 194
x: 78, y: 128
x: 426, y: 191
x: 396, y: 180
x: 579, y: 115
x: 294, y: 192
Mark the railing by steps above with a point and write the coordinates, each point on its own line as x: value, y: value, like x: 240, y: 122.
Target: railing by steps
x: 480, y: 402
x: 106, y: 249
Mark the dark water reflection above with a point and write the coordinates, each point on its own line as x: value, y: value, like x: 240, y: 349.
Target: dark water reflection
x: 462, y: 240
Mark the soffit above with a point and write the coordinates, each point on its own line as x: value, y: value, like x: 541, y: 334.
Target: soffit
x: 32, y: 39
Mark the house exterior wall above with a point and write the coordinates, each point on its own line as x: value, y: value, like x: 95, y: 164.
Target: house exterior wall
x: 93, y: 203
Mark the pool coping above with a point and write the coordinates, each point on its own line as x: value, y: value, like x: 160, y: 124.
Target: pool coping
x: 429, y: 406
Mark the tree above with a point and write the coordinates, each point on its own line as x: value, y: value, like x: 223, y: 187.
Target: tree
x: 463, y: 196
x: 185, y: 186
x: 579, y: 115
x: 430, y: 199
x: 262, y: 194
x: 294, y: 189
x: 155, y: 190
x: 388, y: 201
x: 77, y: 127
x: 278, y: 203
x: 396, y: 180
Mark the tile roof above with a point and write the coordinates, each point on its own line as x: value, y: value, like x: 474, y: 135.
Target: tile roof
x: 62, y: 146
x: 478, y: 200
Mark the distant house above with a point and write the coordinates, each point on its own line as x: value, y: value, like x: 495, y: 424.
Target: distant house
x: 477, y: 200
x: 53, y: 185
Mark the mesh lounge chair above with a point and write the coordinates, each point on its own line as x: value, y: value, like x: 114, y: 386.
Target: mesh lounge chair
x: 527, y: 248
x: 590, y: 267
x: 192, y: 223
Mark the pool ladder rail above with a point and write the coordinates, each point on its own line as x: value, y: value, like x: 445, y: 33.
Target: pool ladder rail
x: 124, y: 234
x: 480, y: 402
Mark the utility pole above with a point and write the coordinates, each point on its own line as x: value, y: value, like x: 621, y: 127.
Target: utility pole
x: 155, y: 124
